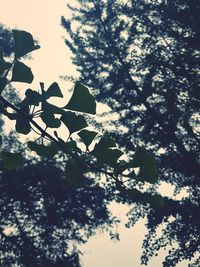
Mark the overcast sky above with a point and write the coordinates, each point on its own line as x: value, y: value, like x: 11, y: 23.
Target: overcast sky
x: 42, y: 19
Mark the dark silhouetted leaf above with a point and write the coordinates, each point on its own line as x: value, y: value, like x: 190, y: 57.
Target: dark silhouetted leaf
x: 50, y: 120
x: 73, y: 122
x: 82, y: 100
x: 87, y: 137
x: 21, y: 73
x: 147, y: 164
x: 53, y: 90
x: 22, y: 125
x: 49, y: 108
x: 122, y: 166
x: 42, y: 150
x: 4, y: 66
x: 24, y: 43
x: 33, y: 97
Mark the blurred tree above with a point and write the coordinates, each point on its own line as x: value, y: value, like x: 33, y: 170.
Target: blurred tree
x: 142, y: 57
x: 43, y: 217
x: 6, y: 41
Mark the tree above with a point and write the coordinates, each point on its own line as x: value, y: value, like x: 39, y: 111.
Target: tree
x: 34, y: 113
x: 43, y: 217
x: 142, y: 58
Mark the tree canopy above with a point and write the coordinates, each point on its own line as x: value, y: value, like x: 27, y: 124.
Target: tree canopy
x: 78, y: 162
x: 141, y: 58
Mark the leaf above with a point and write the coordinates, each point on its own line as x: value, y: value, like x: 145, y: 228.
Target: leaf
x: 107, y: 142
x: 53, y: 90
x: 21, y: 73
x: 73, y: 173
x: 42, y: 150
x: 105, y: 153
x: 4, y: 66
x: 12, y: 160
x: 82, y: 100
x: 49, y: 108
x: 33, y: 97
x: 22, y: 125
x: 50, y: 120
x: 73, y: 122
x: 147, y: 164
x: 68, y: 147
x: 107, y: 156
x: 11, y: 116
x: 87, y: 137
x: 148, y: 172
x: 122, y: 166
x: 24, y: 43
x: 3, y: 82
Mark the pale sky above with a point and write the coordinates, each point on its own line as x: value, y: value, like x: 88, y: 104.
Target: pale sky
x: 42, y: 19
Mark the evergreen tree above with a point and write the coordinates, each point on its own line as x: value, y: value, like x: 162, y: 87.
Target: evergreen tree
x: 142, y: 57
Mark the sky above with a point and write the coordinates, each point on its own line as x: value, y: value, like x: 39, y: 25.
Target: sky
x: 42, y: 19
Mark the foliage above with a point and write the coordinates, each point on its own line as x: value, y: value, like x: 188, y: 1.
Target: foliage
x: 24, y: 196
x: 81, y: 101
x: 142, y: 58
x: 43, y: 217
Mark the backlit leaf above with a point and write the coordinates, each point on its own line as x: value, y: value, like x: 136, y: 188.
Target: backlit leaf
x: 147, y: 165
x: 53, y: 90
x: 50, y: 120
x: 21, y: 73
x: 82, y: 100
x: 22, y: 125
x: 24, y: 43
x: 48, y: 151
x: 73, y: 122
x: 33, y: 97
x: 87, y: 136
x: 4, y: 66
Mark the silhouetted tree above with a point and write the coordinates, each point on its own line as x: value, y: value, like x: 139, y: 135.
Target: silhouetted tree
x: 43, y: 217
x: 142, y: 57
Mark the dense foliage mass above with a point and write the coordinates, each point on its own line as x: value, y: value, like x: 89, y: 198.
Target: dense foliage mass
x: 43, y: 217
x: 142, y: 59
